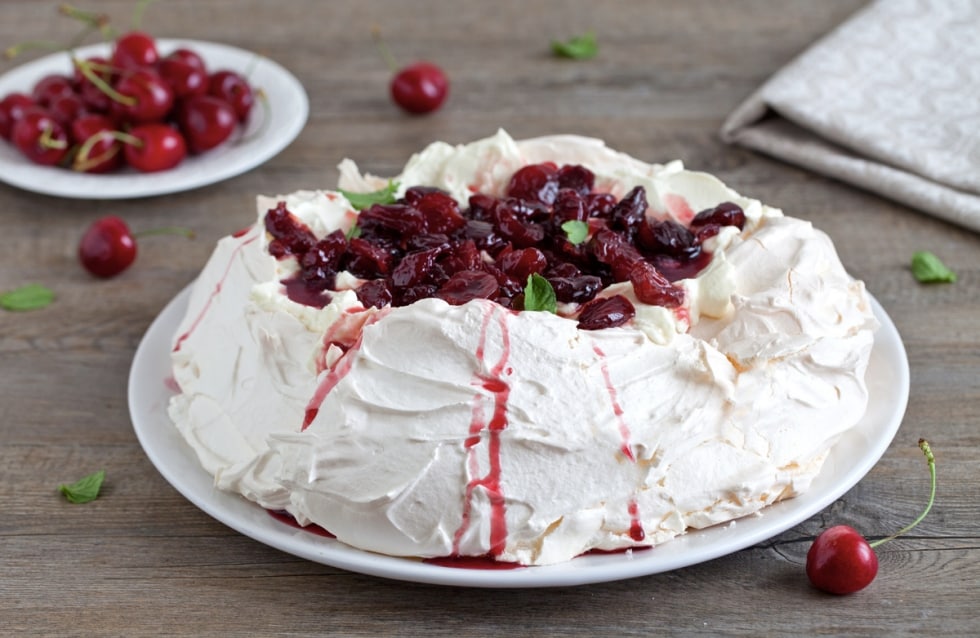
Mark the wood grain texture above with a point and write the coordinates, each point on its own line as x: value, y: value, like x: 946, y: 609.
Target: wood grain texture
x: 143, y: 561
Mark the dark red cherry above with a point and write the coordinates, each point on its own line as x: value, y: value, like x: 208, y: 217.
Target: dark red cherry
x: 149, y: 97
x: 234, y: 89
x: 184, y: 78
x: 12, y: 108
x: 107, y: 248
x: 154, y: 147
x: 135, y: 50
x: 841, y: 561
x: 40, y: 137
x: 205, y: 121
x: 607, y: 312
x: 420, y: 88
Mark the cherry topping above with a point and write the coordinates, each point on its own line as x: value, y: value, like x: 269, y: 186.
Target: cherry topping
x: 607, y: 312
x: 425, y: 244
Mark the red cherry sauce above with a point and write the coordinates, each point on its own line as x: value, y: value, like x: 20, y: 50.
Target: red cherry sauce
x: 285, y: 517
x: 214, y: 293
x: 499, y: 391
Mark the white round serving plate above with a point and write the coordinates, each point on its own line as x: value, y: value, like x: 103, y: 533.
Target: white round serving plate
x: 848, y: 462
x: 275, y: 121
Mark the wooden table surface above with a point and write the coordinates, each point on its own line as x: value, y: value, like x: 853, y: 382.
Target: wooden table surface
x: 142, y: 560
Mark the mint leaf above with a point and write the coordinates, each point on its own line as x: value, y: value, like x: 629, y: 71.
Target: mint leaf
x: 929, y: 269
x: 576, y: 231
x: 360, y: 201
x: 580, y: 47
x: 29, y: 297
x: 85, y: 489
x: 539, y: 295
x: 354, y: 232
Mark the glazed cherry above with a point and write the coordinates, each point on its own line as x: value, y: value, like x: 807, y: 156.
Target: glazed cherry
x: 608, y: 312
x: 135, y: 50
x: 40, y: 138
x: 420, y: 88
x: 206, y: 122
x: 841, y: 561
x: 154, y: 147
x: 107, y: 248
x: 535, y: 182
x: 234, y: 89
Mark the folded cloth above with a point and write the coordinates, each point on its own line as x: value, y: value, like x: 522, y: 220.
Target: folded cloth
x: 889, y: 101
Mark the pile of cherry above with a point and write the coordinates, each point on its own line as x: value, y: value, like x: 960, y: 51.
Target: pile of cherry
x: 137, y: 108
x: 426, y: 245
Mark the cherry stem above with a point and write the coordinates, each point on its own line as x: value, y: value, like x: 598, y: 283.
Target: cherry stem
x: 383, y: 49
x: 95, y: 21
x: 931, y: 460
x: 86, y: 68
x: 84, y: 161
x: 12, y: 52
x: 47, y: 141
x: 138, y: 12
x: 167, y: 230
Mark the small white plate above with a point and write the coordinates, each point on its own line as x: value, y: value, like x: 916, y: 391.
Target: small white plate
x: 271, y: 127
x: 848, y: 462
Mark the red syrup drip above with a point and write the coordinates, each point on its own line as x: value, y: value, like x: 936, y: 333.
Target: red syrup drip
x: 636, y: 527
x: 170, y: 383
x: 336, y: 374
x: 499, y: 393
x: 624, y: 430
x: 298, y: 290
x: 214, y: 293
x: 678, y: 207
x: 471, y: 562
x: 285, y: 517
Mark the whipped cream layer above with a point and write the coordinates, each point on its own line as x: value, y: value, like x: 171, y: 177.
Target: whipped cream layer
x: 432, y: 430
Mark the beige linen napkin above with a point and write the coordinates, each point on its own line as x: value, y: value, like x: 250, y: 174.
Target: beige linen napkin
x: 889, y: 101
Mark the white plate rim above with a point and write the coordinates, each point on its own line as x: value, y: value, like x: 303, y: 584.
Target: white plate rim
x: 854, y: 456
x: 275, y: 123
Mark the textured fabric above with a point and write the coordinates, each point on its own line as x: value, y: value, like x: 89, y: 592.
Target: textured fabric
x: 889, y: 101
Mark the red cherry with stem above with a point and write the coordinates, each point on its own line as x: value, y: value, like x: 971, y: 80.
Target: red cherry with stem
x: 234, y: 89
x: 206, y: 122
x: 153, y: 147
x: 40, y: 138
x: 135, y: 50
x: 146, y: 97
x: 419, y: 88
x: 65, y: 109
x: 841, y: 561
x: 94, y: 96
x: 99, y: 150
x: 12, y: 108
x: 108, y: 247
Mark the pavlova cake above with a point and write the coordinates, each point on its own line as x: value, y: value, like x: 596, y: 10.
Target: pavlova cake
x: 521, y: 350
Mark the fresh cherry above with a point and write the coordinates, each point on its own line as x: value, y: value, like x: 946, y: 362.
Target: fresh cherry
x: 40, y: 138
x: 99, y: 149
x: 154, y: 147
x: 51, y: 87
x: 108, y: 247
x: 135, y: 50
x: 12, y: 108
x: 146, y: 97
x: 184, y: 78
x: 841, y: 561
x: 234, y: 89
x: 206, y: 122
x: 418, y: 88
